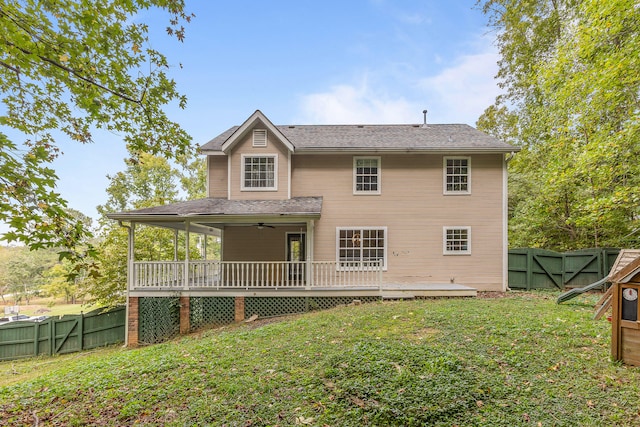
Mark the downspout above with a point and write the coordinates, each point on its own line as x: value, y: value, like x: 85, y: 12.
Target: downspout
x: 505, y: 222
x: 289, y: 175
x: 130, y: 260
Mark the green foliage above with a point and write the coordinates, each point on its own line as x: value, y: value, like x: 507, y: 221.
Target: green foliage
x: 571, y: 71
x: 194, y: 178
x: 57, y: 283
x: 520, y: 360
x: 397, y: 383
x: 23, y: 272
x: 150, y: 181
x: 67, y: 68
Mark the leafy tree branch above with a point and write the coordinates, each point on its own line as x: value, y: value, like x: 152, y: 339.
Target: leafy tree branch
x: 68, y: 68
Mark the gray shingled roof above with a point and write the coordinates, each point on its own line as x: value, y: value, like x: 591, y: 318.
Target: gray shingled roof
x: 302, y: 206
x: 434, y: 137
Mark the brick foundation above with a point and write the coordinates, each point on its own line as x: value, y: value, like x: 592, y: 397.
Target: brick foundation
x: 239, y: 303
x: 133, y: 322
x: 185, y: 315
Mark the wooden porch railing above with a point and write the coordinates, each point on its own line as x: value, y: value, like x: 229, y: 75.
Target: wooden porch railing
x: 215, y: 275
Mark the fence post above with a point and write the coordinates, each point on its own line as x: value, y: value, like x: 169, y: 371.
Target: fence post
x: 81, y: 331
x: 52, y: 336
x: 529, y: 268
x: 36, y: 338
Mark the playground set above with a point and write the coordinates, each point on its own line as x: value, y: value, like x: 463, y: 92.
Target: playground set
x: 622, y: 297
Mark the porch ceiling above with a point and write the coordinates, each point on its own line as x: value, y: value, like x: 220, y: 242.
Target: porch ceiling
x: 210, y: 214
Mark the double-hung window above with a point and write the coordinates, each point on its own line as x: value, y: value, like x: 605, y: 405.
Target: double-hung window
x: 259, y: 173
x: 366, y: 175
x: 457, y: 175
x: 359, y: 248
x: 456, y: 240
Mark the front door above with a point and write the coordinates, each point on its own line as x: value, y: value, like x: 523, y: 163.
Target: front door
x: 296, y: 254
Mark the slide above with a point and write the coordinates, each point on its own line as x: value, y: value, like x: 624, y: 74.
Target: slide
x: 577, y: 291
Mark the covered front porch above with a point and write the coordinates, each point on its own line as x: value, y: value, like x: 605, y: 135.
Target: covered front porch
x: 265, y: 245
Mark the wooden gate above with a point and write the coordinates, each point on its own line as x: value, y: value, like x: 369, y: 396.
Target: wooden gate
x: 531, y: 268
x: 67, y: 334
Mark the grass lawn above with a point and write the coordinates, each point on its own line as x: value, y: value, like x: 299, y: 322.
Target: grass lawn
x: 519, y: 360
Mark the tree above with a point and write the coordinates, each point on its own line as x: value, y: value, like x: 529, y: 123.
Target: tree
x: 23, y: 270
x: 5, y: 282
x: 70, y: 67
x: 194, y: 177
x: 152, y: 181
x: 571, y: 72
x: 57, y: 283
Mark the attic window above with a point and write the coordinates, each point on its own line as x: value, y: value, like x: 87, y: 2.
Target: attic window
x: 260, y: 138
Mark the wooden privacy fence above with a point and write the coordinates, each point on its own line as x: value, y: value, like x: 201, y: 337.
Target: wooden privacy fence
x: 531, y: 268
x: 66, y: 334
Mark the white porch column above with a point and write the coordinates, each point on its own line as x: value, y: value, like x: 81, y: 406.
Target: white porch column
x: 175, y: 245
x: 186, y: 255
x: 309, y: 249
x: 205, y: 239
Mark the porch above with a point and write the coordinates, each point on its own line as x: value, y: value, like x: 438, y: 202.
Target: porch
x: 215, y: 277
x: 276, y: 278
x: 264, y: 264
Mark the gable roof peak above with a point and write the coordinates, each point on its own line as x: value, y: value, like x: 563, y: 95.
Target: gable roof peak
x: 242, y: 130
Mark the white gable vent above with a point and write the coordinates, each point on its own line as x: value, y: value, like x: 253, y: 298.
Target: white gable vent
x: 259, y: 137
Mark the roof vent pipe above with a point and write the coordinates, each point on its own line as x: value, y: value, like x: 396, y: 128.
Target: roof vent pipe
x: 424, y: 124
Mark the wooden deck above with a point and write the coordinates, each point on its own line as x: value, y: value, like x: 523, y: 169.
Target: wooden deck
x: 277, y: 279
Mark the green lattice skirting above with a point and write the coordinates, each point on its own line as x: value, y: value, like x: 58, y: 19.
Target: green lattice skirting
x: 159, y: 318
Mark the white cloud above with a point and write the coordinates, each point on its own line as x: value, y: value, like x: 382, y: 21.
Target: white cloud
x: 460, y: 93
x: 347, y: 104
x: 455, y: 94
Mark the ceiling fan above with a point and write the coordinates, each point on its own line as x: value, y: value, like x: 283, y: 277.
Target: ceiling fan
x: 262, y: 225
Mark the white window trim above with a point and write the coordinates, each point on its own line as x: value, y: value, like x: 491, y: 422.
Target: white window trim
x: 386, y: 245
x: 361, y: 192
x: 444, y: 240
x: 275, y: 173
x: 444, y: 176
x: 261, y: 141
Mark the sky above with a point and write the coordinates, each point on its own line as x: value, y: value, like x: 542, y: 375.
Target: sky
x: 307, y: 62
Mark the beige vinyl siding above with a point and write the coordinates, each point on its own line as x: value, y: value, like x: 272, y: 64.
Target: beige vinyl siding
x: 274, y: 147
x: 248, y: 243
x: 217, y: 176
x: 414, y: 209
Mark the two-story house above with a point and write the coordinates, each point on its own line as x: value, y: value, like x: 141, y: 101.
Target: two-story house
x: 318, y: 213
